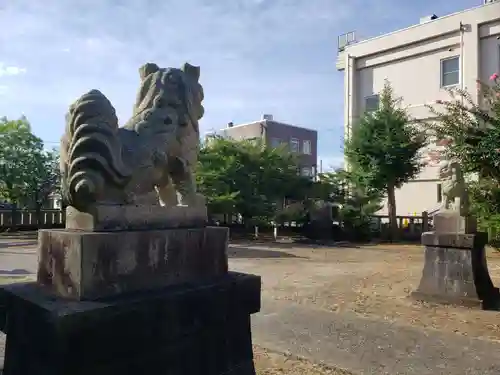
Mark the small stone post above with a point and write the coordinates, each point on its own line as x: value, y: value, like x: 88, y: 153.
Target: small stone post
x: 455, y: 269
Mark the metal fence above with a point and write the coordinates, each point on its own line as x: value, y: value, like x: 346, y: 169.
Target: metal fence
x: 410, y: 227
x: 31, y: 219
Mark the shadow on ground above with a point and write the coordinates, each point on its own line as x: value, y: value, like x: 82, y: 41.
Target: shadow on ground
x: 290, y: 245
x: 249, y: 253
x: 5, y: 245
x: 15, y: 272
x: 25, y: 235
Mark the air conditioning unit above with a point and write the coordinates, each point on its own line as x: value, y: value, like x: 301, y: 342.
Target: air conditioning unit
x: 267, y: 117
x: 429, y: 18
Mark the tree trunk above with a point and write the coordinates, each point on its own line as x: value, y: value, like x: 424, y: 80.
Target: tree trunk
x: 391, y: 207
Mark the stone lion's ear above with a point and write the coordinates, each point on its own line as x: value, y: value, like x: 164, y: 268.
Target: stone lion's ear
x: 192, y: 71
x: 148, y: 69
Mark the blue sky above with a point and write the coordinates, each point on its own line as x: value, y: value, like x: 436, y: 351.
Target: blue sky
x: 256, y: 56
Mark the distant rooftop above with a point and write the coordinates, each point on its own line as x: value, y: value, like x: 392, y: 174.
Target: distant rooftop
x: 264, y: 119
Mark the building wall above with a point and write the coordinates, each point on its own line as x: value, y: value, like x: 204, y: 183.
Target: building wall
x: 411, y: 60
x: 285, y: 133
x: 246, y: 131
x: 272, y: 131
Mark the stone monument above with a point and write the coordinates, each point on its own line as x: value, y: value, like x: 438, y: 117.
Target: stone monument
x: 455, y: 269
x: 137, y: 282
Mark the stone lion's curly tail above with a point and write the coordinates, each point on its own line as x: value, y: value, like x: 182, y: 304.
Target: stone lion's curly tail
x: 91, y: 152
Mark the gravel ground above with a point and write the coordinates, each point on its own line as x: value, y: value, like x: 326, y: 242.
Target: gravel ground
x: 371, y: 281
x: 273, y: 363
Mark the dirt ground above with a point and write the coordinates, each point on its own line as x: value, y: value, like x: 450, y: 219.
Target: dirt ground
x: 270, y: 363
x: 372, y: 281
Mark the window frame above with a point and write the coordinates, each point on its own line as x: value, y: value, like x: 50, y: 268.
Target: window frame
x: 309, y: 148
x: 371, y: 97
x: 279, y: 142
x: 498, y: 62
x: 293, y: 141
x: 442, y: 73
x: 309, y: 171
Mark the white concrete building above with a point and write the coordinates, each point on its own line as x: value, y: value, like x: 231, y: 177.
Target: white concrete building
x: 420, y: 61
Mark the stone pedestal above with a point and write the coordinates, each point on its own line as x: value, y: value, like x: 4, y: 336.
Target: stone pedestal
x: 450, y: 221
x: 124, y: 292
x: 89, y: 265
x: 455, y: 270
x: 195, y: 329
x: 105, y: 218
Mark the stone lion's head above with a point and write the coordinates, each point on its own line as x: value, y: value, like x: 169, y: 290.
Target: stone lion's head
x: 169, y: 96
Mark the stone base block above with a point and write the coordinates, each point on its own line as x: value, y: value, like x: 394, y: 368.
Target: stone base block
x: 450, y: 221
x: 105, y: 218
x: 90, y: 265
x: 202, y: 329
x: 455, y: 271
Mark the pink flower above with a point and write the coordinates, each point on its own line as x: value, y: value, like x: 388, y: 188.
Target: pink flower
x: 444, y: 142
x: 494, y: 77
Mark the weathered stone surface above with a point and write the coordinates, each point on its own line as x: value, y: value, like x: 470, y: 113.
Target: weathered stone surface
x: 455, y: 270
x: 450, y: 221
x: 454, y: 240
x: 155, y: 151
x: 102, y: 218
x: 196, y: 330
x: 89, y: 265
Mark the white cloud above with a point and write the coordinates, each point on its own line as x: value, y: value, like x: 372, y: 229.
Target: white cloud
x: 10, y: 70
x: 256, y: 56
x: 4, y: 90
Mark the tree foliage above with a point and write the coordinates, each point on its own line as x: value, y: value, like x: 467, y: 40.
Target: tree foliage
x: 384, y: 148
x: 248, y: 178
x: 28, y: 173
x: 470, y: 132
x: 356, y: 199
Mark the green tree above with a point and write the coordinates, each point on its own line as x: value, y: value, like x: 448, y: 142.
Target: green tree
x: 384, y: 147
x: 248, y: 178
x: 28, y: 173
x: 44, y: 179
x: 470, y: 132
x: 356, y: 199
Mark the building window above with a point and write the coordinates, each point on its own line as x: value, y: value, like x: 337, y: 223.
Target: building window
x: 306, y: 147
x: 306, y: 171
x: 294, y: 145
x: 276, y: 142
x: 439, y: 193
x: 372, y: 103
x: 450, y: 71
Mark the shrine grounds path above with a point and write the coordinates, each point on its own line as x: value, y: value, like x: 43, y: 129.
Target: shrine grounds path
x: 343, y: 307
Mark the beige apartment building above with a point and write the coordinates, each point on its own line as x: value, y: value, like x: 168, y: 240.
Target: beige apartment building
x: 420, y: 62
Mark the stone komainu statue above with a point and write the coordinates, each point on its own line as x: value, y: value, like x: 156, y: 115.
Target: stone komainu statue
x: 150, y: 160
x: 454, y: 188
